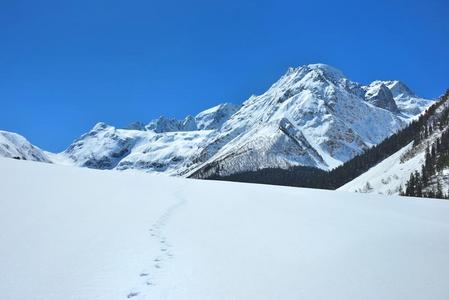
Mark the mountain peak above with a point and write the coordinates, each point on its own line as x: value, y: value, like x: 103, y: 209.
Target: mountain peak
x: 136, y: 126
x: 326, y: 69
x: 316, y: 67
x: 189, y: 124
x: 163, y: 124
x: 380, y: 95
x: 321, y: 69
x: 312, y: 74
x: 399, y: 89
x: 100, y: 126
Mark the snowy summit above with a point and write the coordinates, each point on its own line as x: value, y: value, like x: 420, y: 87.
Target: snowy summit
x: 312, y: 116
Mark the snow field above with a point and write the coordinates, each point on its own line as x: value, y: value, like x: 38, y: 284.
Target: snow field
x: 75, y: 233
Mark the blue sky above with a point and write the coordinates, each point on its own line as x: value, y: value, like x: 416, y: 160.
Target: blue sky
x: 64, y: 65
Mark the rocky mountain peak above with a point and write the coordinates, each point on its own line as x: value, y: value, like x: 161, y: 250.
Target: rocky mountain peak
x: 100, y: 126
x: 380, y: 95
x: 399, y: 89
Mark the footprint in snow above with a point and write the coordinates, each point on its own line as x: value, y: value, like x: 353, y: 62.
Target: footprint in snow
x: 156, y: 232
x: 132, y: 294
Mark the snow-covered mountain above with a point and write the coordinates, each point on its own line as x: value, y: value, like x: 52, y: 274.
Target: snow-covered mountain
x: 13, y: 145
x: 330, y: 119
x: 106, y: 147
x: 312, y: 116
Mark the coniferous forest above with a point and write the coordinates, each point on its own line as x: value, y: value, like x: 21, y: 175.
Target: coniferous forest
x: 426, y: 183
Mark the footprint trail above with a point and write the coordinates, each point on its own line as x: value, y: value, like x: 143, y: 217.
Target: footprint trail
x: 148, y: 276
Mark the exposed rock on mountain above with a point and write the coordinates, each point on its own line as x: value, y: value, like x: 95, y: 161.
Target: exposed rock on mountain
x: 380, y: 96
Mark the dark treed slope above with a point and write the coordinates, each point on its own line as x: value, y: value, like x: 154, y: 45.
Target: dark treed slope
x: 429, y: 182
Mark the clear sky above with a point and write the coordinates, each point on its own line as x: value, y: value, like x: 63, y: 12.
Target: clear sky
x: 65, y: 65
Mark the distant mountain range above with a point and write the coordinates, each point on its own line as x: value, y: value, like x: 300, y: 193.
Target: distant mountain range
x: 313, y: 116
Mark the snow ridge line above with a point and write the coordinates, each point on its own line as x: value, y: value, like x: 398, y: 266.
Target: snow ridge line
x: 164, y: 254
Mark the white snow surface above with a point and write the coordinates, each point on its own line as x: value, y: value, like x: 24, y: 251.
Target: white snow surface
x: 74, y: 233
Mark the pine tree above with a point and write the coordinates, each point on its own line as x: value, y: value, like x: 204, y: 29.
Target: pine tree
x: 439, y: 192
x: 418, y: 185
x: 410, y: 190
x: 424, y: 176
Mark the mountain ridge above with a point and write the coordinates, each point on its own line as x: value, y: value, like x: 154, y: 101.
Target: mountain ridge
x: 312, y: 116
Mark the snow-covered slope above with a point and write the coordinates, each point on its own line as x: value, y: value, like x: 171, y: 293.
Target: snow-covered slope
x: 389, y: 176
x: 213, y: 118
x: 76, y: 233
x: 312, y: 116
x: 13, y: 145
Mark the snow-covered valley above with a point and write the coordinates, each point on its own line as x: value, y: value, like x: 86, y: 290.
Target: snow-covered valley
x: 77, y: 233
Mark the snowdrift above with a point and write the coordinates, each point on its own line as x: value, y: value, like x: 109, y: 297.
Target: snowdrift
x: 73, y: 233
